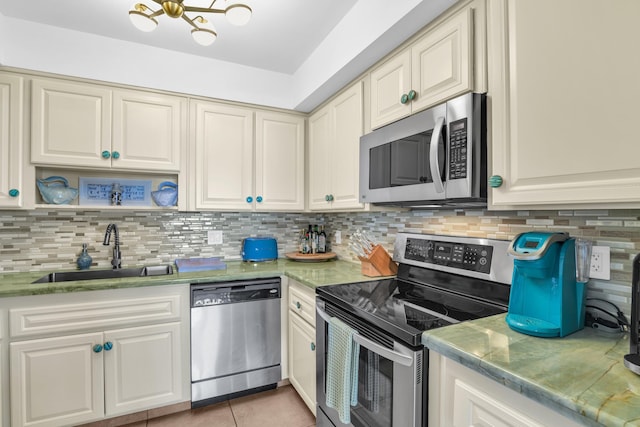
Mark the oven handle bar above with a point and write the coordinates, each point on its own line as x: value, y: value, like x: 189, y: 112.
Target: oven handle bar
x: 391, y: 355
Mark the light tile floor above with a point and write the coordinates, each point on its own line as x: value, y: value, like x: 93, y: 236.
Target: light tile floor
x: 281, y: 407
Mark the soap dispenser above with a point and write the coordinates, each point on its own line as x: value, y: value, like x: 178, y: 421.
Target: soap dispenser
x: 84, y: 259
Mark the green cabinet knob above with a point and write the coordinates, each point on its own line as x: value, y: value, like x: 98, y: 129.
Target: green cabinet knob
x: 108, y: 346
x: 404, y: 98
x: 412, y: 95
x: 14, y: 193
x: 106, y: 154
x: 115, y: 155
x: 313, y: 346
x: 249, y: 199
x: 331, y: 197
x: 495, y: 181
x: 326, y: 198
x: 298, y: 305
x: 259, y: 199
x: 97, y: 348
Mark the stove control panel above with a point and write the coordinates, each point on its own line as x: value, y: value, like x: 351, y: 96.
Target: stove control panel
x: 457, y: 255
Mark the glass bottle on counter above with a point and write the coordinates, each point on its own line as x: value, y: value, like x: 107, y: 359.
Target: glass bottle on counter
x: 322, y: 241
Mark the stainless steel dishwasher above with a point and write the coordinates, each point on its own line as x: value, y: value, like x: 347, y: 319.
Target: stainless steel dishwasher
x: 235, y: 339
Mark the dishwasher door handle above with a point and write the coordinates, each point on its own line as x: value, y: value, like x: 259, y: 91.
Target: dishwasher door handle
x: 374, y: 347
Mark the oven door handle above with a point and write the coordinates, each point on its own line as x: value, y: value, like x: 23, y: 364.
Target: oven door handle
x: 394, y: 356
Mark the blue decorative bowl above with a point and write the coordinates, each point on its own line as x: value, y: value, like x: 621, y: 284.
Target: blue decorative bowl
x: 166, y: 195
x: 55, y: 190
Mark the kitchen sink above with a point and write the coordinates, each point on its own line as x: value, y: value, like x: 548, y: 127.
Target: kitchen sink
x: 154, y: 270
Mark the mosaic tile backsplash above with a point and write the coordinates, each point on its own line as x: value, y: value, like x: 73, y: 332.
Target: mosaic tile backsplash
x: 44, y: 240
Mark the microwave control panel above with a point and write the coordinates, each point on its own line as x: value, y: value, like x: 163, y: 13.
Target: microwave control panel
x: 457, y: 255
x: 458, y: 149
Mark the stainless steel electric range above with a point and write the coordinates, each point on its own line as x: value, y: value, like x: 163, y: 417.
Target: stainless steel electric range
x: 441, y: 280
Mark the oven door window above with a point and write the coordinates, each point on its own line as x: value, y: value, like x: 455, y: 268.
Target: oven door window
x: 404, y: 161
x: 375, y: 391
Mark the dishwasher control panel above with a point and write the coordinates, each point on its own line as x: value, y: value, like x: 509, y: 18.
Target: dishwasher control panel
x: 208, y: 294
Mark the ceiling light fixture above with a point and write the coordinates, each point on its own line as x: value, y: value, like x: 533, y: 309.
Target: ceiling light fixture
x: 203, y: 32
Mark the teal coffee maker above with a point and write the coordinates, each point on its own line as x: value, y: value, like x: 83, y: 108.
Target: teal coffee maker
x: 545, y: 300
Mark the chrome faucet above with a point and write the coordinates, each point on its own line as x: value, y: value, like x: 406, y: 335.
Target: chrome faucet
x: 117, y: 256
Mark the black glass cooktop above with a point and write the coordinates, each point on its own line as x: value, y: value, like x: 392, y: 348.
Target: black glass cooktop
x: 404, y: 309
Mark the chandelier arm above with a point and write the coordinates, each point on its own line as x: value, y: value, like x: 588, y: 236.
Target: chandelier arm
x: 190, y: 21
x: 157, y: 13
x: 202, y: 9
x: 212, y: 3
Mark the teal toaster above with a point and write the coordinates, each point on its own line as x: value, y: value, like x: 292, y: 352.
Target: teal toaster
x: 258, y: 249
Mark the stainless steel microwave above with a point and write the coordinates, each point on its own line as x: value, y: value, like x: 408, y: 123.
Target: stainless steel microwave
x: 431, y: 159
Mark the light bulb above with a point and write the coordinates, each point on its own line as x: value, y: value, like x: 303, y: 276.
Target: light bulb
x: 238, y: 14
x: 142, y: 21
x: 204, y: 37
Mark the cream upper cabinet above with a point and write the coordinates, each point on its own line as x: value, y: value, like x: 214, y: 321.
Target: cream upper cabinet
x: 91, y: 126
x: 334, y: 152
x: 279, y: 170
x: 235, y: 170
x: 436, y: 67
x: 223, y: 161
x: 561, y: 101
x: 12, y: 191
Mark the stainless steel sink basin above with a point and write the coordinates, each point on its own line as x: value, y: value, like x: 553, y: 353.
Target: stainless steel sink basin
x: 155, y: 270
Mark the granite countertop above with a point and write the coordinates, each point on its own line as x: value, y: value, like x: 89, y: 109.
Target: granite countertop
x: 581, y: 375
x: 309, y: 274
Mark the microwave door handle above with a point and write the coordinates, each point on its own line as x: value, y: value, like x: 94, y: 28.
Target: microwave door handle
x: 434, y: 161
x: 394, y: 356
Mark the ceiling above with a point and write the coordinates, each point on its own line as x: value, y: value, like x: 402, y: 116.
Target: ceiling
x: 281, y: 38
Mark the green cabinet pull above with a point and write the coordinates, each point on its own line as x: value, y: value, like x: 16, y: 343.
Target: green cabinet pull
x: 106, y: 154
x: 326, y: 198
x: 249, y: 199
x: 115, y: 155
x: 259, y: 199
x: 97, y: 348
x: 412, y: 95
x: 298, y: 305
x: 495, y: 181
x: 14, y: 192
x: 313, y: 346
x: 108, y: 346
x: 404, y: 98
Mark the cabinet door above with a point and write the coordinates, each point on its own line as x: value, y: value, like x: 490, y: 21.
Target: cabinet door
x: 56, y: 381
x: 302, y: 359
x: 279, y: 171
x: 223, y: 156
x: 11, y: 133
x: 563, y: 103
x: 344, y: 163
x: 148, y: 130
x: 388, y: 83
x: 320, y: 156
x: 142, y: 369
x: 442, y: 62
x: 70, y: 124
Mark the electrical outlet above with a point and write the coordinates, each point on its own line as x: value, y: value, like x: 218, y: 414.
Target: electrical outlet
x: 600, y: 263
x: 337, y: 237
x: 214, y: 237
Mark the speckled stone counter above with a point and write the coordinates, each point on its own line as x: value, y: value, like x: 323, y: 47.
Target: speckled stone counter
x: 581, y: 376
x: 309, y: 274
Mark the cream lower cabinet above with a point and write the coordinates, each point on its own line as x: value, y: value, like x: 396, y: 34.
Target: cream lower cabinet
x: 114, y: 368
x: 93, y: 126
x: 235, y: 171
x: 12, y: 186
x: 436, y: 67
x: 562, y: 102
x: 459, y: 396
x: 302, y: 342
x: 334, y: 152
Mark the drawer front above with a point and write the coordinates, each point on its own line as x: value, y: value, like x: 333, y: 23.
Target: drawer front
x: 55, y: 319
x: 303, y: 302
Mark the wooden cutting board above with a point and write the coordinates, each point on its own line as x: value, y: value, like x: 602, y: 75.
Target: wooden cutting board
x: 297, y: 256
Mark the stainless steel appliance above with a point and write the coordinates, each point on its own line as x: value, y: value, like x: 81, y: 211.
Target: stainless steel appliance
x: 235, y: 339
x: 441, y: 280
x: 435, y: 158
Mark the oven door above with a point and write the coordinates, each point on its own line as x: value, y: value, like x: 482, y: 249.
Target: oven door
x: 391, y: 377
